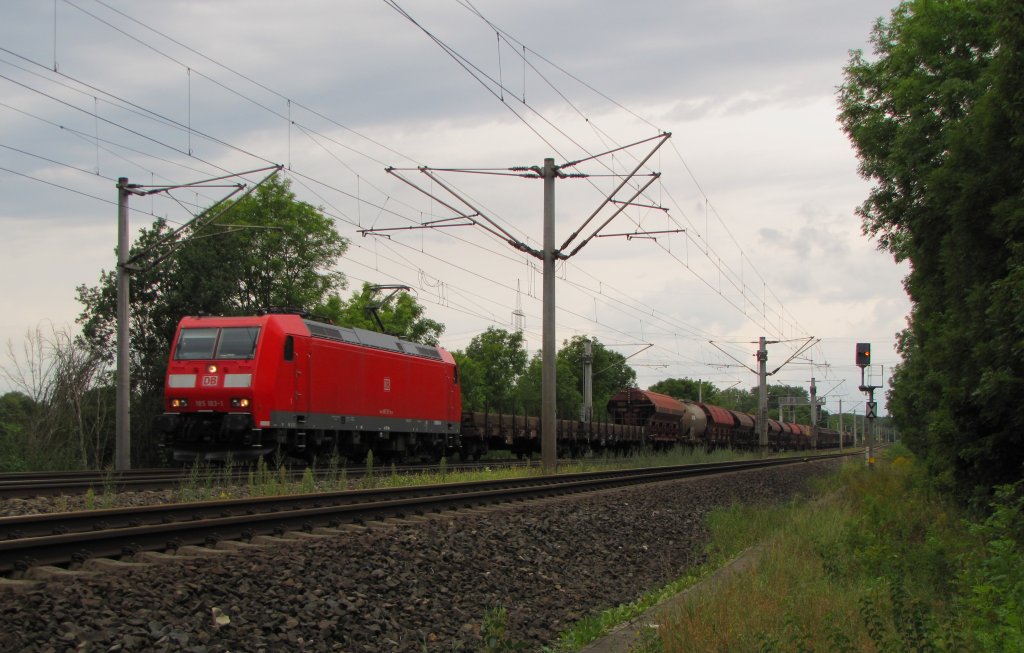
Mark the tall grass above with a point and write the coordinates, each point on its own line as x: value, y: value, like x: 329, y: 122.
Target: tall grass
x: 877, y: 562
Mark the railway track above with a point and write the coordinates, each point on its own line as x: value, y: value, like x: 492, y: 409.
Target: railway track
x: 73, y: 538
x: 38, y: 484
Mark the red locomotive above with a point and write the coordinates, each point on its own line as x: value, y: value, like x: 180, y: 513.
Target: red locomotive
x: 281, y: 384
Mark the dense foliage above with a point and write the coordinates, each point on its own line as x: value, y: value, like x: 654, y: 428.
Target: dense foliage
x: 490, y: 369
x: 58, y: 415
x: 399, y: 313
x: 937, y: 118
x: 498, y: 375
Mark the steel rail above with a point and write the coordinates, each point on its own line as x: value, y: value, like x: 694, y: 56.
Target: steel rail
x: 68, y: 537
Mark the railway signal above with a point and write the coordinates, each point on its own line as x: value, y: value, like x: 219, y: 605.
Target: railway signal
x: 863, y: 359
x: 863, y: 354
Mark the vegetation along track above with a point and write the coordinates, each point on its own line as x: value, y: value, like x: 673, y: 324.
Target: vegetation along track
x: 63, y: 538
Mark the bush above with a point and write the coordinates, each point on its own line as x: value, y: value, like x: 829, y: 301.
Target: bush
x: 992, y: 580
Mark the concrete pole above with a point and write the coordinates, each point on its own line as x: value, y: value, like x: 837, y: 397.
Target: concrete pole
x: 814, y: 415
x: 870, y: 432
x: 840, y: 426
x: 122, y: 428
x: 549, y: 440
x: 762, y: 402
x: 588, y: 382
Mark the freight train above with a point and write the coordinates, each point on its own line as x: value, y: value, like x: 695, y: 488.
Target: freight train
x: 670, y: 422
x: 281, y: 384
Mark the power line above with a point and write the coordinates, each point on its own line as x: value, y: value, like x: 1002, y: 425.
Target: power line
x: 382, y: 206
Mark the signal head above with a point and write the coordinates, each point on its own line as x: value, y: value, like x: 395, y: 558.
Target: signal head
x: 863, y: 354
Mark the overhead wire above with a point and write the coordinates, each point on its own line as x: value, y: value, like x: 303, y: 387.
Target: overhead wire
x: 267, y: 88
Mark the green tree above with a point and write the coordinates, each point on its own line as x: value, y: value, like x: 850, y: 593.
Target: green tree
x: 16, y: 409
x: 611, y: 373
x: 937, y: 118
x: 471, y: 382
x: 498, y: 359
x: 268, y: 250
x: 686, y: 389
x: 399, y: 312
x: 568, y: 398
x: 744, y: 401
x: 61, y: 415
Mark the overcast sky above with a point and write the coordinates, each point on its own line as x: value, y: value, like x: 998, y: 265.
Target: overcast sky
x: 757, y: 171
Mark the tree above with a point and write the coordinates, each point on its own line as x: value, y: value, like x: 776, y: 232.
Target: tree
x: 937, y: 118
x: 497, y: 358
x: 687, y: 389
x: 568, y: 398
x: 268, y: 250
x: 610, y: 371
x: 471, y: 382
x: 400, y: 313
x: 61, y: 416
x: 611, y: 374
x: 745, y: 401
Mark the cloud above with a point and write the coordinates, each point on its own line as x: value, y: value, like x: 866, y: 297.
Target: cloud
x: 757, y: 171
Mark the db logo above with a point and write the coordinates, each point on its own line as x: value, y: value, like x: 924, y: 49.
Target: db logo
x: 209, y: 381
x: 387, y: 384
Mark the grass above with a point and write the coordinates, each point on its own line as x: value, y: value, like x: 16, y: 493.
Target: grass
x: 868, y: 565
x: 876, y: 560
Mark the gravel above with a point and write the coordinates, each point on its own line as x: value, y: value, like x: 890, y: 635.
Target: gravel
x: 420, y: 587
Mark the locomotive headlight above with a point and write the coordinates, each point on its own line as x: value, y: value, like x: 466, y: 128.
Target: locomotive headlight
x: 211, y: 369
x: 179, y: 403
x: 240, y: 403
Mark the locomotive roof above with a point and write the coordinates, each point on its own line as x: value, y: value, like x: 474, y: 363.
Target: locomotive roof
x: 371, y: 339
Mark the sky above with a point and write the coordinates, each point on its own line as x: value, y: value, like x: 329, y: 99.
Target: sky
x: 749, y: 230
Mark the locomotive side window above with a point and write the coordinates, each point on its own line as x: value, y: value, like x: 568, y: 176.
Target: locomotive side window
x: 195, y: 344
x: 237, y: 342
x: 289, y: 348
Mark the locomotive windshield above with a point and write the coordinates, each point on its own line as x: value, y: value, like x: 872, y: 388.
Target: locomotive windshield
x: 227, y: 343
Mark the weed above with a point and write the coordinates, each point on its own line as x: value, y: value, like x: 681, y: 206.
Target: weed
x: 109, y: 488
x: 308, y: 484
x: 187, y: 491
x: 281, y: 486
x: 90, y: 499
x: 209, y: 480
x: 368, y: 480
x: 493, y: 631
